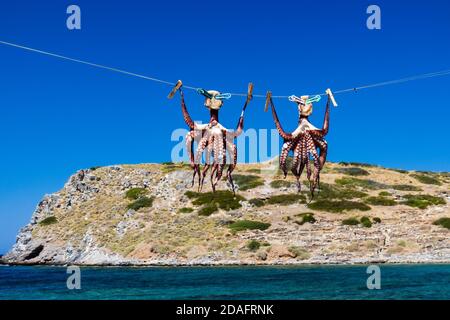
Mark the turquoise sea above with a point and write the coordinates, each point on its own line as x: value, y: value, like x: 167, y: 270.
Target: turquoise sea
x: 244, y: 282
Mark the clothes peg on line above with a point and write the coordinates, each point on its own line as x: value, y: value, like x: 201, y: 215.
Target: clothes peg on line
x: 330, y: 94
x: 250, y: 92
x: 268, y: 99
x: 175, y: 89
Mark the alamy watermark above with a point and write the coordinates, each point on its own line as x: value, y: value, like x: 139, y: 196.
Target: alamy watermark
x: 374, y: 20
x: 253, y: 145
x: 73, y: 21
x: 374, y: 280
x: 74, y: 280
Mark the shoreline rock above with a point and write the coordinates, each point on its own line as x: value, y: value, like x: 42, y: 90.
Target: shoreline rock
x: 88, y: 222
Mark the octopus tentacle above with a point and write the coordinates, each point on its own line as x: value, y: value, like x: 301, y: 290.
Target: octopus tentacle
x: 190, y: 150
x: 296, y: 161
x: 204, y: 172
x: 207, y: 160
x: 300, y: 171
x: 326, y: 122
x: 190, y: 146
x: 322, y: 145
x: 284, y: 155
x: 216, y: 151
x: 239, y: 128
x: 201, y: 147
x: 232, y: 150
x: 186, y: 116
x: 213, y: 171
x: 222, y: 159
x: 283, y: 134
x: 313, y: 152
x: 305, y: 157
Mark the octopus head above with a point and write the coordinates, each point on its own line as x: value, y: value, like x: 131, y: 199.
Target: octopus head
x: 211, y: 102
x: 305, y: 109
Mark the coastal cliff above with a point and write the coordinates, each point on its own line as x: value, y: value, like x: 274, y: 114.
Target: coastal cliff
x: 147, y: 214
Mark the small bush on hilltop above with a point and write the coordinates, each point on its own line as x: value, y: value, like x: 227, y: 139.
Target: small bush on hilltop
x: 48, y: 221
x: 443, y: 222
x: 242, y: 225
x: 144, y: 202
x: 135, y: 193
x: 253, y: 245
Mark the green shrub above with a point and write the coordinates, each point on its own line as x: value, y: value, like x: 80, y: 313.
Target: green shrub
x: 307, y: 217
x: 276, y: 184
x: 374, y: 185
x: 94, y: 168
x: 338, y: 206
x: 299, y: 253
x: 286, y: 199
x: 399, y: 170
x: 365, y: 221
x: 364, y: 183
x: 444, y: 175
x: 401, y: 243
x: 242, y: 225
x: 426, y: 179
x: 328, y: 192
x: 143, y: 202
x: 185, y: 210
x: 376, y: 220
x: 253, y: 245
x: 171, y: 166
x: 443, y: 222
x: 354, y: 171
x: 358, y: 164
x: 223, y: 199
x: 405, y: 187
x: 135, y: 193
x: 48, y: 221
x: 384, y: 194
x: 257, y: 202
x: 208, y: 210
x: 380, y: 201
x: 350, y: 222
x: 422, y: 201
x: 246, y: 182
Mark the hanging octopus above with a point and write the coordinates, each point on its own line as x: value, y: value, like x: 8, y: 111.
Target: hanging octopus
x: 304, y: 142
x: 213, y: 139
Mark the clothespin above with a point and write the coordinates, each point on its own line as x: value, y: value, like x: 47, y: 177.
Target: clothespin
x: 294, y: 98
x: 223, y: 96
x: 250, y: 92
x: 268, y: 99
x: 330, y: 94
x: 204, y: 93
x: 175, y: 89
x: 313, y: 99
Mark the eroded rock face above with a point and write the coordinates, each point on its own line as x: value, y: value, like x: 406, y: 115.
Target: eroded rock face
x: 89, y: 222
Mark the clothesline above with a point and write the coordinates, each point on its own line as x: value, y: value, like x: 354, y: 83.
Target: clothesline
x: 353, y: 89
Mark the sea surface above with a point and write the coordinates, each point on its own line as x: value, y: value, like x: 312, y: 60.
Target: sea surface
x: 243, y: 282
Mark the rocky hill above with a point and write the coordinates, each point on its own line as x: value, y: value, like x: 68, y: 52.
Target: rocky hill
x: 148, y: 215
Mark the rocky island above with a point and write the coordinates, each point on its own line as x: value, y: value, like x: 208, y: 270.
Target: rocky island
x: 147, y: 214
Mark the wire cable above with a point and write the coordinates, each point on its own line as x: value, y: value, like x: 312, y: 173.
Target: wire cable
x: 353, y: 89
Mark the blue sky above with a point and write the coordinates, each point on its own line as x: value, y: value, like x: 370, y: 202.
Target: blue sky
x: 57, y: 117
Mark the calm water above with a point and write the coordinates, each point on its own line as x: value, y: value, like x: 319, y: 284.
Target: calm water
x: 311, y: 282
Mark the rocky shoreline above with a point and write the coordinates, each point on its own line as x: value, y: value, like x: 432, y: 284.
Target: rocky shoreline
x: 141, y: 215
